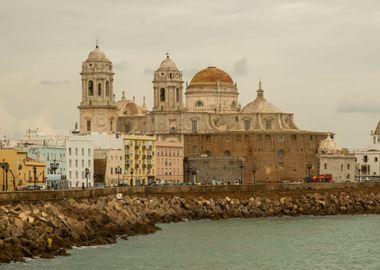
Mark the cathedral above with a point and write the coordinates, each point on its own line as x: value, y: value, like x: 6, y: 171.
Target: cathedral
x: 208, y: 116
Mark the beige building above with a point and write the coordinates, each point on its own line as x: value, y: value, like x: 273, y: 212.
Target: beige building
x: 139, y: 156
x: 336, y: 161
x: 207, y: 112
x: 22, y: 170
x: 108, y: 167
x: 169, y: 159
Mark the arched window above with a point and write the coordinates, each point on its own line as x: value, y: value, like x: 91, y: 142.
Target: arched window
x: 99, y: 89
x: 247, y: 124
x: 107, y: 88
x: 268, y: 124
x: 227, y: 153
x: 280, y: 153
x: 194, y: 126
x: 162, y: 94
x: 198, y: 103
x: 90, y: 88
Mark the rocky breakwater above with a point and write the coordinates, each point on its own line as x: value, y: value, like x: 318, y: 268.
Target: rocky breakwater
x: 26, y: 227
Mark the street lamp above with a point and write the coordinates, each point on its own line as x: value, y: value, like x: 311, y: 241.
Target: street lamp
x: 86, y: 173
x: 5, y: 166
x: 54, y: 166
x: 309, y: 166
x: 118, y: 172
x: 241, y: 172
x: 254, y: 175
x: 35, y: 176
x: 132, y: 171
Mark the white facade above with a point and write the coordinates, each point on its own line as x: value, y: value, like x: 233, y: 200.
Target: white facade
x: 340, y: 166
x: 368, y: 159
x: 80, y: 156
x: 367, y: 164
x: 336, y: 161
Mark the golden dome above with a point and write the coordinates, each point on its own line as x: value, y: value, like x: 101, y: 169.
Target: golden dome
x: 211, y: 75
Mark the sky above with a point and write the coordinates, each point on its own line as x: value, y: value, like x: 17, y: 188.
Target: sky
x: 317, y: 59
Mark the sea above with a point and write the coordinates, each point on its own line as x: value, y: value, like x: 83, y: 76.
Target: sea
x: 307, y: 242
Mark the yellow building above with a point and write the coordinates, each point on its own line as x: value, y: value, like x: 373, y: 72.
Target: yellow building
x: 139, y: 159
x: 20, y: 170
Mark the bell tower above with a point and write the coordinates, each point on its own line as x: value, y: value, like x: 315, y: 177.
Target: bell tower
x: 168, y: 87
x: 97, y: 107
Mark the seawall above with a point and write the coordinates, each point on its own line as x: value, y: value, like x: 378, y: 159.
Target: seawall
x: 237, y: 191
x: 93, y: 217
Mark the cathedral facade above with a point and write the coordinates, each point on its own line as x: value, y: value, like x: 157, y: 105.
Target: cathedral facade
x: 208, y: 116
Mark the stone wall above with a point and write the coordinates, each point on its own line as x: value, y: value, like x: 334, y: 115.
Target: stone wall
x: 237, y: 191
x: 274, y: 156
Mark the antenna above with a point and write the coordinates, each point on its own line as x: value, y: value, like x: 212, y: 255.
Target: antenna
x: 97, y: 39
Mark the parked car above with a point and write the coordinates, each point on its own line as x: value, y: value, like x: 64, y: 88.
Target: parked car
x: 30, y: 187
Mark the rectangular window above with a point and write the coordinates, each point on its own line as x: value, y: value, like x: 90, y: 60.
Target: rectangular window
x: 89, y: 152
x: 280, y: 138
x: 111, y: 125
x: 194, y: 126
x: 82, y: 163
x: 89, y: 163
x: 76, y: 151
x: 69, y: 151
x: 365, y: 158
x: 82, y: 151
x: 70, y: 174
x: 348, y: 166
x: 76, y: 163
x: 325, y: 166
x: 70, y: 163
x: 88, y: 125
x: 76, y: 175
x: 376, y: 159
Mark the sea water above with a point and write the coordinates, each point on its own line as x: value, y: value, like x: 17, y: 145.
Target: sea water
x: 330, y: 242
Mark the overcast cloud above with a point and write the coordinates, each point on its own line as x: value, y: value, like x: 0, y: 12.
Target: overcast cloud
x: 317, y: 59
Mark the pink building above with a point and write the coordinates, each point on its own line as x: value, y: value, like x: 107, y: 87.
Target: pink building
x: 169, y: 159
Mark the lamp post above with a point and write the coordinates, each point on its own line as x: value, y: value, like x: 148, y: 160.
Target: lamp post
x: 35, y: 176
x: 118, y: 172
x: 132, y: 171
x: 5, y: 166
x: 86, y: 173
x: 309, y: 166
x: 254, y: 175
x: 241, y: 172
x: 54, y: 166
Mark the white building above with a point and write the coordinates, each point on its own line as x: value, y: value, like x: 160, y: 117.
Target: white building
x: 336, y: 161
x: 80, y: 161
x: 368, y: 159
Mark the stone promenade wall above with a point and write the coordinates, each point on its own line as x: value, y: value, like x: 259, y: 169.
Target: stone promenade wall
x: 236, y: 191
